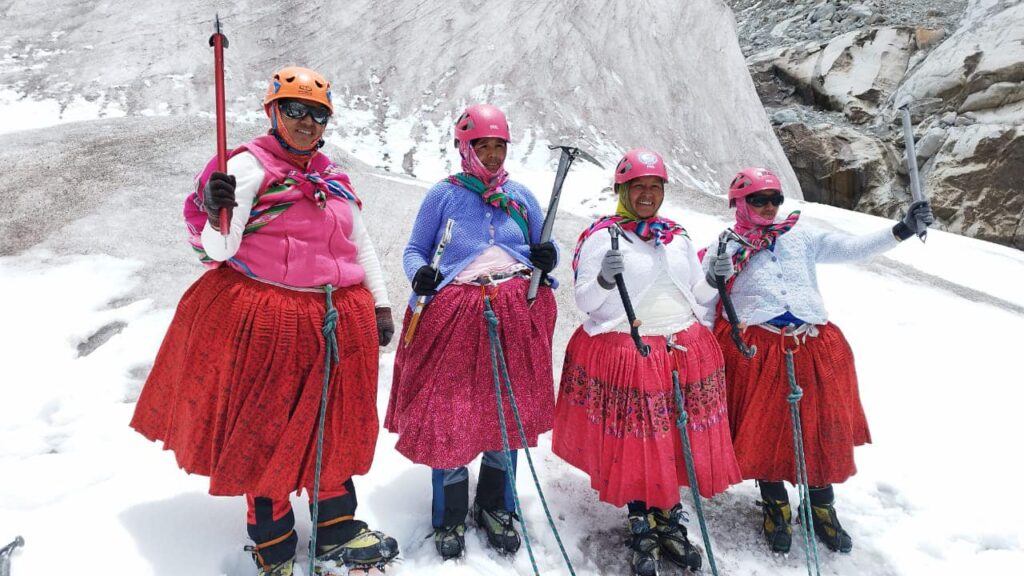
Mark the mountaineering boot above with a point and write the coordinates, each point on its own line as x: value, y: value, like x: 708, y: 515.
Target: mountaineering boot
x: 826, y: 523
x: 643, y: 541
x: 367, y: 549
x: 280, y: 569
x: 777, y: 530
x: 450, y: 507
x: 283, y: 568
x: 828, y: 529
x: 672, y: 538
x: 499, y: 525
x: 492, y: 508
x: 450, y: 541
x: 777, y: 515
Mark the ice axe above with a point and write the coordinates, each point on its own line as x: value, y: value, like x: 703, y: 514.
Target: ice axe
x: 569, y: 153
x: 634, y: 325
x: 219, y: 42
x: 730, y: 311
x: 5, y: 555
x: 915, y: 179
x: 435, y: 263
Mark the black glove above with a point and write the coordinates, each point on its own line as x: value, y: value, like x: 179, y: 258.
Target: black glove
x: 385, y: 326
x: 425, y: 282
x: 218, y: 193
x: 920, y: 211
x: 543, y: 256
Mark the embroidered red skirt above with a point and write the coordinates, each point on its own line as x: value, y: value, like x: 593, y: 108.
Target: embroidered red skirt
x: 236, y: 386
x: 831, y: 414
x: 616, y: 416
x: 443, y: 404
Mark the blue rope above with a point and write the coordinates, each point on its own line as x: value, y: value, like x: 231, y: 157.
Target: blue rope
x: 498, y: 366
x: 795, y: 394
x: 330, y: 355
x: 690, y: 471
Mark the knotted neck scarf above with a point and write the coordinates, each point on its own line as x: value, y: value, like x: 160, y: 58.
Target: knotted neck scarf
x: 657, y: 228
x: 489, y: 186
x: 761, y: 234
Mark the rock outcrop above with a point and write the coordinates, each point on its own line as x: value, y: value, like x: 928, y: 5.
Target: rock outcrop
x: 835, y: 103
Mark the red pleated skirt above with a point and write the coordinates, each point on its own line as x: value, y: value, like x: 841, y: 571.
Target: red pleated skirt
x: 616, y: 416
x: 443, y: 405
x: 831, y: 414
x: 236, y: 386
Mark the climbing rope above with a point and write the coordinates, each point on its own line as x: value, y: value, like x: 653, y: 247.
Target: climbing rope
x: 331, y: 358
x: 500, y: 371
x: 690, y: 470
x: 795, y: 393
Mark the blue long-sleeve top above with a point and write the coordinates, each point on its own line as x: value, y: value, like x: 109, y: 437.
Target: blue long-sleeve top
x: 478, y: 226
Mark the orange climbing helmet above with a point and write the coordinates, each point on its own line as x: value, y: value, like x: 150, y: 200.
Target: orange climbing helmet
x: 298, y: 82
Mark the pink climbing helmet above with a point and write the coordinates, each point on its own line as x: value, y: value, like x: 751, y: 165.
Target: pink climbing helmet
x: 751, y: 181
x: 640, y: 162
x: 481, y: 121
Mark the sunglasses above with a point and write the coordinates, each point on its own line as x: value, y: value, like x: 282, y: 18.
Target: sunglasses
x: 297, y: 110
x: 762, y: 201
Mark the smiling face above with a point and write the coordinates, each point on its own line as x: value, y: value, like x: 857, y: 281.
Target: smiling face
x: 491, y: 152
x: 646, y: 194
x: 304, y: 132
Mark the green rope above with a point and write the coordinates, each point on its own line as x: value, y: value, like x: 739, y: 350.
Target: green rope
x: 690, y: 471
x: 795, y: 394
x: 499, y: 367
x: 330, y: 355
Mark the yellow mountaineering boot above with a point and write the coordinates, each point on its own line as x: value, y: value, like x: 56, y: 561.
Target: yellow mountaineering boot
x: 777, y: 530
x: 643, y: 541
x: 828, y: 529
x: 672, y: 538
x: 368, y: 549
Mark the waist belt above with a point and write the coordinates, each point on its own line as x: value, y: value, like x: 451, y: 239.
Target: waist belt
x: 491, y: 279
x: 801, y: 332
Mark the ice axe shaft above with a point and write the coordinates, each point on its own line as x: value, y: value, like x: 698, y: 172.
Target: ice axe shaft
x: 915, y: 179
x: 634, y: 326
x: 5, y: 555
x: 219, y: 43
x: 569, y: 153
x: 730, y: 311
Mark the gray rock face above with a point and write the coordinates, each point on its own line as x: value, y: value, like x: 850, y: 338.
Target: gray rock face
x: 963, y: 79
x: 852, y: 74
x: 784, y: 116
x: 975, y: 183
x: 976, y: 173
x: 823, y: 11
x: 836, y: 165
x: 929, y: 144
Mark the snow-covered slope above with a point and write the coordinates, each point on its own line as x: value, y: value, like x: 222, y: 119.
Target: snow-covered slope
x: 609, y: 75
x: 93, y: 261
x: 89, y: 293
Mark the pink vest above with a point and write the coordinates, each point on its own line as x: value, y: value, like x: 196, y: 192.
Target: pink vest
x: 298, y: 231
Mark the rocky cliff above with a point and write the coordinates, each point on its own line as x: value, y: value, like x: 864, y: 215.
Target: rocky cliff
x: 834, y: 74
